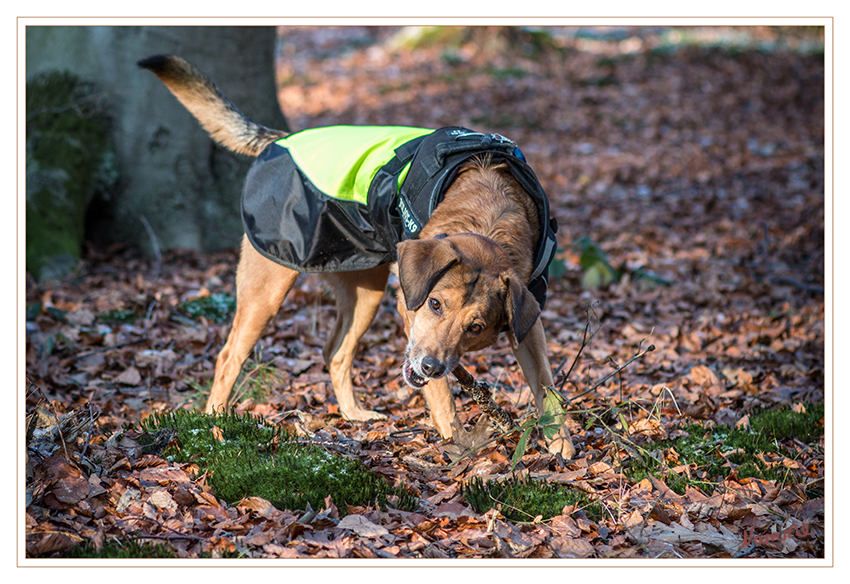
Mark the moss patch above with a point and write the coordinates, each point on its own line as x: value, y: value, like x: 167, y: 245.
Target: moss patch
x: 716, y: 451
x: 246, y: 456
x: 69, y: 160
x: 524, y: 499
x: 216, y: 307
x: 121, y: 550
x: 117, y: 316
x: 129, y: 549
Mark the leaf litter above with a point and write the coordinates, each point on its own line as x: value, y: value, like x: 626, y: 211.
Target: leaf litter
x: 691, y: 163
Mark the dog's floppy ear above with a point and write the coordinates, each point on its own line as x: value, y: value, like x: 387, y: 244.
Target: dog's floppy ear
x: 521, y: 307
x: 421, y: 264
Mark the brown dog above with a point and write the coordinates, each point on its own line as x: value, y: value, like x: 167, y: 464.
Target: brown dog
x: 463, y: 280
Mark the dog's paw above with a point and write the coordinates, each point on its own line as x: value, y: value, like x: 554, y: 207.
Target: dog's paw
x: 562, y: 444
x: 361, y: 415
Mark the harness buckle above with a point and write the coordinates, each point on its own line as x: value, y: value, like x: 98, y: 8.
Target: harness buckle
x: 487, y: 138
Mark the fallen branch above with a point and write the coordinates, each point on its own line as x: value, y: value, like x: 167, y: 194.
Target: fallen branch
x: 480, y: 392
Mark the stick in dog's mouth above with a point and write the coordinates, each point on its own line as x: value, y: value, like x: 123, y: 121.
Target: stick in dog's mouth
x: 480, y: 392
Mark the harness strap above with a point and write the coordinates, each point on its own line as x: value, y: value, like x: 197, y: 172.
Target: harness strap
x: 403, y: 155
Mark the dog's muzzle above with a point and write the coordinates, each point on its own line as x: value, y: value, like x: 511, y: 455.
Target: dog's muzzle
x: 417, y: 372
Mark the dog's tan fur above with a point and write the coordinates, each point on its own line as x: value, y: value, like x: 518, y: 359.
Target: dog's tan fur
x: 456, y: 292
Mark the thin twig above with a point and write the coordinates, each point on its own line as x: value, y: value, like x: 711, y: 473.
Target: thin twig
x: 588, y: 309
x: 148, y: 315
x: 90, y: 430
x: 814, y: 288
x: 175, y: 534
x: 575, y: 359
x: 616, y: 371
x: 109, y: 348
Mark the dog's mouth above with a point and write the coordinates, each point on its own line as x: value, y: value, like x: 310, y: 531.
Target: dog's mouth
x: 412, y: 378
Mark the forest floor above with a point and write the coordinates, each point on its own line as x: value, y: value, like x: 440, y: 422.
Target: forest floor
x: 692, y: 169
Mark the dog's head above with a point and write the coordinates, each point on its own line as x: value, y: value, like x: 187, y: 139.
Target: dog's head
x: 460, y: 292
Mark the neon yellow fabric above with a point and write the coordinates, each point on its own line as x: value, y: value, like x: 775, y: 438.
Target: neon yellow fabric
x: 341, y: 161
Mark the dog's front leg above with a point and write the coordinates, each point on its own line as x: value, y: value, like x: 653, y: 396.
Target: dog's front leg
x: 441, y: 404
x: 533, y: 359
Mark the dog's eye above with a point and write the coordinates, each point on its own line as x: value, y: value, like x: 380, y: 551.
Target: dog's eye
x: 434, y: 304
x: 476, y: 328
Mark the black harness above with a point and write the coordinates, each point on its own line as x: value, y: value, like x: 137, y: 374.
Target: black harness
x: 436, y: 159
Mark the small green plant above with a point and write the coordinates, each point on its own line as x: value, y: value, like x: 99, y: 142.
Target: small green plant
x: 521, y: 500
x: 216, y: 307
x: 550, y: 422
x: 246, y: 456
x: 597, y: 269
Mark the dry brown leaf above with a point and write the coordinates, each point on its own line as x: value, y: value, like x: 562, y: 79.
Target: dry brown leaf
x: 129, y: 376
x: 362, y: 526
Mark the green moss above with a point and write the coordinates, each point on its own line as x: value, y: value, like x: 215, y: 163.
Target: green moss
x: 129, y: 549
x: 69, y: 159
x: 257, y: 381
x: 712, y: 450
x: 781, y: 424
x: 122, y: 550
x: 524, y: 499
x: 247, y: 456
x: 216, y: 307
x: 117, y: 316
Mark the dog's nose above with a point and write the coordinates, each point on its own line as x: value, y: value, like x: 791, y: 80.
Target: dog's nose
x: 432, y: 367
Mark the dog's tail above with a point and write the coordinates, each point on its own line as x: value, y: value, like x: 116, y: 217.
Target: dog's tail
x: 217, y: 114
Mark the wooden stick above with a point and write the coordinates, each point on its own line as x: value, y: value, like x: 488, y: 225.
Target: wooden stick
x: 480, y: 392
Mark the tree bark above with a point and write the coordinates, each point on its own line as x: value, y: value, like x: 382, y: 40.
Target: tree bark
x: 171, y: 173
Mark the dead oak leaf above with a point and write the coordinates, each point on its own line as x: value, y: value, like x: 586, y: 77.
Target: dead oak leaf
x: 702, y: 375
x: 568, y: 547
x: 69, y: 485
x: 162, y: 499
x: 453, y: 511
x: 362, y: 526
x: 676, y: 533
x: 260, y: 506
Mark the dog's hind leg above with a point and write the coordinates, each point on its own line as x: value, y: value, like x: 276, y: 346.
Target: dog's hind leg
x: 261, y: 286
x: 358, y: 296
x: 531, y: 354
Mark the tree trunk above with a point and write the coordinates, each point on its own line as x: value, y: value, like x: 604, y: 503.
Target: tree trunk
x: 171, y: 174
